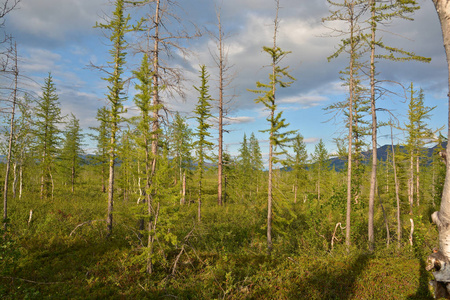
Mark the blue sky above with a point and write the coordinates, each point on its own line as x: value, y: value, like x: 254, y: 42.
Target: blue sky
x: 57, y: 36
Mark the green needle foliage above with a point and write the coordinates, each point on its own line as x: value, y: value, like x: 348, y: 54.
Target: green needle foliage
x: 202, y: 144
x: 47, y: 134
x: 102, y: 138
x: 118, y: 27
x: 279, y: 77
x: 72, y: 150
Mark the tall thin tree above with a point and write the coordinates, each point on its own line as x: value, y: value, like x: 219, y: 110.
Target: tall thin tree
x: 117, y: 26
x: 277, y: 138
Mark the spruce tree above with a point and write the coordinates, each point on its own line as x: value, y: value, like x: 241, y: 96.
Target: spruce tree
x: 202, y: 143
x: 47, y: 133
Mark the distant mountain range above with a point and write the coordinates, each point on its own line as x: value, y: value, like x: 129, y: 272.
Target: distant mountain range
x: 339, y: 163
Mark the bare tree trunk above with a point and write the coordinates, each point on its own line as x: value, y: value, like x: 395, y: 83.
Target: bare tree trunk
x: 11, y: 136
x: 221, y: 72
x: 20, y: 181
x: 14, y: 187
x: 109, y: 218
x: 442, y: 218
x: 417, y: 180
x: 443, y: 11
x: 397, y: 195
x: 183, y: 192
x: 373, y: 175
x: 269, y: 201
x: 155, y: 127
x: 350, y: 131
x: 295, y: 191
x: 73, y: 178
x: 411, y: 184
x: 199, y: 202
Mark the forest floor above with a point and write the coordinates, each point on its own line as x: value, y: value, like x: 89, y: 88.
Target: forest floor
x: 221, y: 258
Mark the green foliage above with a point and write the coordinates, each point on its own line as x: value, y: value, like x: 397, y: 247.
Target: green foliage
x: 47, y: 133
x: 72, y: 151
x: 202, y: 143
x: 9, y: 253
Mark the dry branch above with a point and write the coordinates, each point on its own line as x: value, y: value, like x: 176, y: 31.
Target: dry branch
x: 84, y: 223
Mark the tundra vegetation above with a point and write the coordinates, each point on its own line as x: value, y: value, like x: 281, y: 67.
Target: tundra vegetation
x: 191, y: 225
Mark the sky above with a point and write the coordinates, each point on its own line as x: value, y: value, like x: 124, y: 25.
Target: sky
x: 58, y: 36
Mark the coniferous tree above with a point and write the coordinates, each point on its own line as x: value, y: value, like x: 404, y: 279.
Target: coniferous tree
x: 349, y: 12
x: 118, y: 26
x: 298, y: 162
x: 320, y: 157
x: 180, y: 140
x: 277, y: 138
x: 256, y: 161
x: 143, y: 100
x: 72, y: 149
x: 14, y: 100
x: 47, y: 133
x: 102, y: 137
x: 380, y: 12
x: 244, y: 168
x: 418, y: 135
x: 202, y: 144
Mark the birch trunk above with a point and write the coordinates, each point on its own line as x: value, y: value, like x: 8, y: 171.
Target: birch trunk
x: 439, y: 261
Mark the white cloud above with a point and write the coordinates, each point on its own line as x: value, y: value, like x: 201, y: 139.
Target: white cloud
x: 240, y: 120
x: 304, y: 101
x: 56, y: 20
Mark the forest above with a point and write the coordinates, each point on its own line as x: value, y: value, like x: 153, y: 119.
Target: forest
x: 158, y: 208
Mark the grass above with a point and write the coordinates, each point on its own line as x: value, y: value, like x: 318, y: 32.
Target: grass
x: 224, y: 258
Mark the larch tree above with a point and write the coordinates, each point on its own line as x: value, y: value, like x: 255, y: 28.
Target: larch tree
x: 202, y: 134
x: 47, y: 133
x: 102, y: 138
x: 256, y: 162
x: 320, y: 157
x: 244, y: 168
x: 117, y: 26
x: 180, y: 140
x: 349, y: 12
x: 23, y: 143
x: 418, y: 135
x: 72, y: 149
x: 13, y: 101
x: 382, y: 12
x: 143, y: 100
x: 158, y: 42
x: 224, y: 80
x: 277, y: 137
x: 298, y: 162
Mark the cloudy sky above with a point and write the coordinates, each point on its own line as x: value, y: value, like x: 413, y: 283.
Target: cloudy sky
x: 58, y: 37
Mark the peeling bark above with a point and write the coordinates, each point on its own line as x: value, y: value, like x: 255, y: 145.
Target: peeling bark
x: 439, y: 260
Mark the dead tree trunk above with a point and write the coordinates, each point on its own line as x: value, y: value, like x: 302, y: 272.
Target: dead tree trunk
x: 11, y: 136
